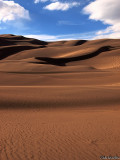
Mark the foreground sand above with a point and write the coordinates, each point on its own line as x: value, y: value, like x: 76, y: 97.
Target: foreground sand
x: 59, y: 122
x: 72, y: 134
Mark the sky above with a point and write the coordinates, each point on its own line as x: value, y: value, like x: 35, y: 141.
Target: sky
x: 53, y: 20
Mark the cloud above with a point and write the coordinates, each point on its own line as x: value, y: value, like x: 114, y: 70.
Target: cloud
x: 107, y: 11
x: 61, y: 6
x: 9, y: 10
x: 87, y: 35
x: 42, y: 37
x: 37, y: 1
x: 69, y: 23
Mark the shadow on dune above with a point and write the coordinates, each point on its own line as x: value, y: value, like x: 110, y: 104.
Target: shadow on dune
x: 4, y: 42
x: 11, y: 44
x: 8, y: 51
x: 67, y: 43
x: 80, y: 42
x: 63, y: 61
x: 13, y: 39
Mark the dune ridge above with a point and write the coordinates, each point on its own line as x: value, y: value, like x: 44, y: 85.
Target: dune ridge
x: 27, y: 52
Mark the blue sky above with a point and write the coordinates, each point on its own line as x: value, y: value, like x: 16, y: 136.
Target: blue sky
x: 57, y: 19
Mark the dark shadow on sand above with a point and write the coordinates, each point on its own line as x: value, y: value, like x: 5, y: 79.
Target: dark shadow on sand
x: 63, y: 61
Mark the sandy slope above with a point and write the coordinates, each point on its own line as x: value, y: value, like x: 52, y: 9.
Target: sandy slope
x: 59, y: 100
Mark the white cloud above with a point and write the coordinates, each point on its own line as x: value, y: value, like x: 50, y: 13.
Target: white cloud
x: 107, y: 11
x: 61, y: 6
x: 37, y: 1
x: 42, y: 37
x: 9, y: 10
x: 88, y: 35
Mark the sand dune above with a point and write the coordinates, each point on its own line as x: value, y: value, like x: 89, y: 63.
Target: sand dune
x: 99, y: 54
x: 59, y: 100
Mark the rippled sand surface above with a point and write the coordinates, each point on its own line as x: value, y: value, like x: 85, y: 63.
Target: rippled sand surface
x: 59, y: 134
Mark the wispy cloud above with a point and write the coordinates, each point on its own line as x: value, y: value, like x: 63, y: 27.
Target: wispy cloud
x: 87, y: 36
x: 37, y: 1
x: 69, y: 23
x: 62, y: 6
x: 43, y: 37
x: 9, y: 10
x: 107, y: 11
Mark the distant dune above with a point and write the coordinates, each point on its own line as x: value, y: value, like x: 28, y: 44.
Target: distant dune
x: 31, y: 55
x: 59, y: 100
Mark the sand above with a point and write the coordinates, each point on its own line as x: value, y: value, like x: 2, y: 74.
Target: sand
x: 59, y: 134
x: 59, y: 100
